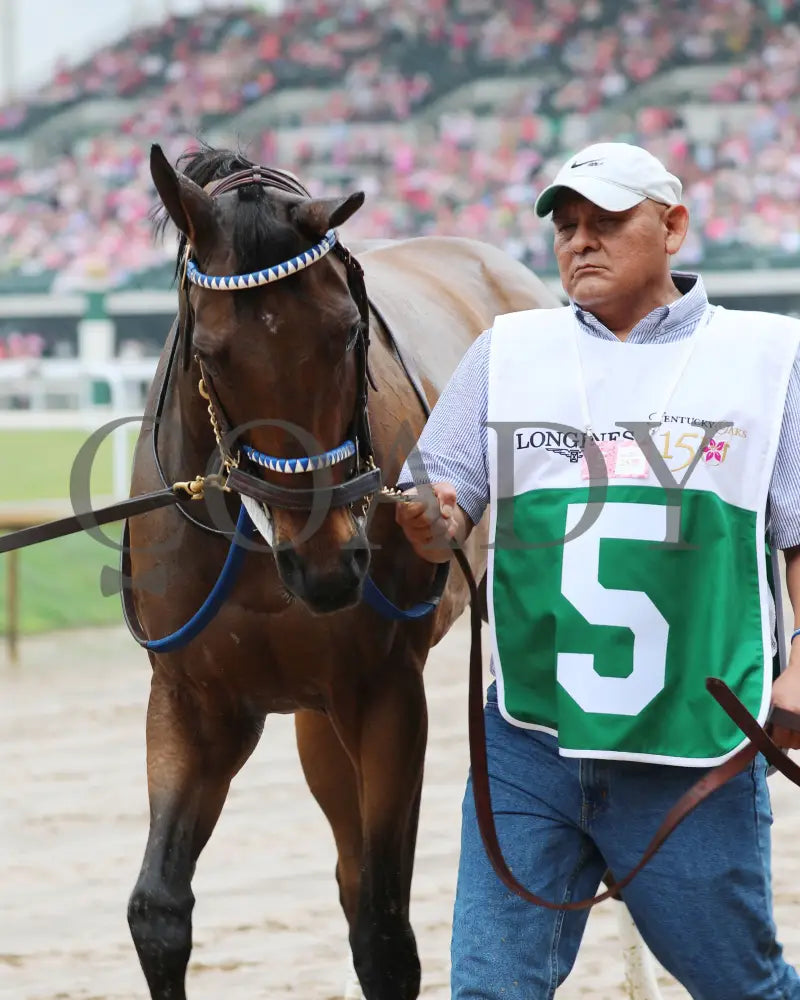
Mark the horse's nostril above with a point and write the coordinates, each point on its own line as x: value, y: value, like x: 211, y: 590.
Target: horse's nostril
x: 324, y: 589
x: 289, y: 567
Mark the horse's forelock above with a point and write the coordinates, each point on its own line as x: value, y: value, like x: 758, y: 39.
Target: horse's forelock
x: 258, y: 227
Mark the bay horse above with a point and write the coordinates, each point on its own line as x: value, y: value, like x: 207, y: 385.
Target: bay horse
x: 283, y: 359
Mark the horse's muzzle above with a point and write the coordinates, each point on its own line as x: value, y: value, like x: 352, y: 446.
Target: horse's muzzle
x: 324, y: 589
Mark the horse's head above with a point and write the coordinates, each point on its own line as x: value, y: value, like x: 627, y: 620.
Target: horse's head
x: 284, y: 361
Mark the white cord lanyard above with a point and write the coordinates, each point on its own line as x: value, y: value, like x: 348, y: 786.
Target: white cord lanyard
x: 586, y: 416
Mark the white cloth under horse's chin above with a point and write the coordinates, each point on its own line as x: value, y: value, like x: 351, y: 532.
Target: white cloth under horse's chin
x: 261, y: 518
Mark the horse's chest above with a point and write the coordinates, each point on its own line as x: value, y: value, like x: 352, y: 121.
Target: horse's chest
x: 281, y: 662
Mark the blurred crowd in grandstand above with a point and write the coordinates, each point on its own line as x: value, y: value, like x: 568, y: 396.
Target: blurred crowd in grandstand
x: 82, y: 214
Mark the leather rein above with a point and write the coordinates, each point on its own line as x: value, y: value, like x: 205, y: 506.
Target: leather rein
x: 760, y: 742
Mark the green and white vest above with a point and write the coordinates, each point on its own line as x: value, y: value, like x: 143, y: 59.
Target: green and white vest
x: 606, y: 639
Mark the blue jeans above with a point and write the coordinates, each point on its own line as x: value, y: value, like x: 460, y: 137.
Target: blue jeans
x: 703, y: 904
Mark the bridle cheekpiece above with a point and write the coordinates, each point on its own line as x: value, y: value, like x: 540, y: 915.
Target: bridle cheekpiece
x: 365, y: 480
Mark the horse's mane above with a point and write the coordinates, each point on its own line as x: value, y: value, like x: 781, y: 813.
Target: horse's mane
x: 260, y: 237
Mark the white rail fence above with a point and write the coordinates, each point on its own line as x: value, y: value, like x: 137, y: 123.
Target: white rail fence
x: 55, y: 394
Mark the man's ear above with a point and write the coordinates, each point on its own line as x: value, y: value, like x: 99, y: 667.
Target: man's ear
x: 676, y: 221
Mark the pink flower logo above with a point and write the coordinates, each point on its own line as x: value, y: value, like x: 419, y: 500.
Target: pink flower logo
x: 714, y: 452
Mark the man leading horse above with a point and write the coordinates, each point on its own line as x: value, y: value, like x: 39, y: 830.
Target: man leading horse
x: 607, y: 617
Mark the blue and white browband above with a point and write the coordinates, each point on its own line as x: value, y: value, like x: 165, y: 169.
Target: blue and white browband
x: 231, y: 282
x: 310, y: 464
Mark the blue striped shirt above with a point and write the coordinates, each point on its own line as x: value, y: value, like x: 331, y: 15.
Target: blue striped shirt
x: 453, y: 446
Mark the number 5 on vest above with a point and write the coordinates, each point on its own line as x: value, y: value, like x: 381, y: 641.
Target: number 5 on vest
x: 600, y: 605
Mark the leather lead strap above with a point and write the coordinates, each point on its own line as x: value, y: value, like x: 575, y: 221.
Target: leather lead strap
x: 90, y: 519
x: 689, y: 801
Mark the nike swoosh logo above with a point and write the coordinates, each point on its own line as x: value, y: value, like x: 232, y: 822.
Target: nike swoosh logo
x: 584, y: 163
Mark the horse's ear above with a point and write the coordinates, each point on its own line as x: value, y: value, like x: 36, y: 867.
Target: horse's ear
x: 188, y: 205
x: 317, y: 215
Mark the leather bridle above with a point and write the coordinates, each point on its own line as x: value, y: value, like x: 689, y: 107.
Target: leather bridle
x: 363, y: 480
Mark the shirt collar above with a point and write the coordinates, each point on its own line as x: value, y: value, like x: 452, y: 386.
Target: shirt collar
x: 663, y: 319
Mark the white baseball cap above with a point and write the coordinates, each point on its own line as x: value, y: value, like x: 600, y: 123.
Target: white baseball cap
x: 614, y: 175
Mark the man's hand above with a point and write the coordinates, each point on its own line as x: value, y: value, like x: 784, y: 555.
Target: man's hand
x: 432, y: 521
x: 786, y: 689
x: 786, y: 695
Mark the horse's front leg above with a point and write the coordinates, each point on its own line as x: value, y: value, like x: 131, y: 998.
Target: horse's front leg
x: 390, y: 754
x: 193, y: 751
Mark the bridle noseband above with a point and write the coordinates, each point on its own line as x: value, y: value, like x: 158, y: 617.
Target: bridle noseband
x: 365, y: 479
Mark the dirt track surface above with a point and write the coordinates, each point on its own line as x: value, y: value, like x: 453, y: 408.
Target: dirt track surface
x: 267, y: 925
